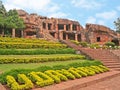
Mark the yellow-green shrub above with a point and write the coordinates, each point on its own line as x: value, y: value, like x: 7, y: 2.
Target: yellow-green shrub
x: 77, y: 75
x: 66, y: 73
x: 56, y: 76
x: 38, y: 59
x: 51, y: 76
x: 25, y: 82
x: 41, y: 79
x: 14, y: 45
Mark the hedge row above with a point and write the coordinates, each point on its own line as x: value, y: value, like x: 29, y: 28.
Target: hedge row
x: 49, y: 77
x: 37, y: 59
x: 15, y: 72
x: 36, y: 51
x: 12, y: 45
x: 24, y: 40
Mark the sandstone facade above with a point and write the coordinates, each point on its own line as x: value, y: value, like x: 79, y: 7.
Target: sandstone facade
x: 64, y: 29
x: 101, y: 34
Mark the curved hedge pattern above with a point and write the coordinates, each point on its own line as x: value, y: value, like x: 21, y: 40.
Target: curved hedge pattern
x: 52, y: 76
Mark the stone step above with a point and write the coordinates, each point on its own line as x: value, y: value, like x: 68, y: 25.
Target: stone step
x: 118, y: 69
x: 108, y: 60
x: 99, y: 57
x: 114, y: 66
x: 109, y: 64
x: 112, y: 61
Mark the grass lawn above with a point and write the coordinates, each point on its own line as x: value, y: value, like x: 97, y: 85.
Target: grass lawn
x: 7, y: 67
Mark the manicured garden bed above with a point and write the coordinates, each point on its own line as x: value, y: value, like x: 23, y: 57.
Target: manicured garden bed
x: 44, y: 67
x: 49, y: 77
x: 28, y: 63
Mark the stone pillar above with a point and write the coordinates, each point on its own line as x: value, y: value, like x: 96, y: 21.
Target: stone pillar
x: 76, y: 37
x: 13, y: 32
x: 71, y: 27
x: 52, y: 27
x: 61, y: 35
x: 56, y: 35
x: 56, y: 27
x: 66, y: 36
x: 46, y: 26
x: 92, y: 38
x: 65, y: 27
x: 78, y: 28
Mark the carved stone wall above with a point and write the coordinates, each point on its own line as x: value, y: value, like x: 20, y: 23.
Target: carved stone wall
x: 37, y: 26
x: 100, y: 34
x: 64, y: 29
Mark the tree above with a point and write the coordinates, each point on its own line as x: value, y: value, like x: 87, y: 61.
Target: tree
x: 13, y: 21
x: 2, y: 17
x: 10, y: 20
x: 117, y: 24
x: 2, y: 9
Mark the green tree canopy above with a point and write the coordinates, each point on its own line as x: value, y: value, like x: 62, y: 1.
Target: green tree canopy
x: 13, y: 20
x: 2, y: 9
x: 117, y: 25
x: 2, y: 15
x: 2, y: 20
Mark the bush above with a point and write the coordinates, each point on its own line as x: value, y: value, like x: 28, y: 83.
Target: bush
x: 84, y: 44
x: 94, y: 46
x: 25, y: 82
x: 110, y: 44
x: 40, y: 79
x: 75, y: 42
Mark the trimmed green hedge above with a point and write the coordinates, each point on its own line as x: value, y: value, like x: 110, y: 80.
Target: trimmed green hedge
x: 36, y: 51
x: 12, y: 45
x: 37, y: 59
x: 26, y: 40
x: 22, y: 43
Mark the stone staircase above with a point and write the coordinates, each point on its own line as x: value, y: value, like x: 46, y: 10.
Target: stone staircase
x: 116, y: 52
x: 70, y: 44
x: 108, y: 58
x: 47, y: 36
